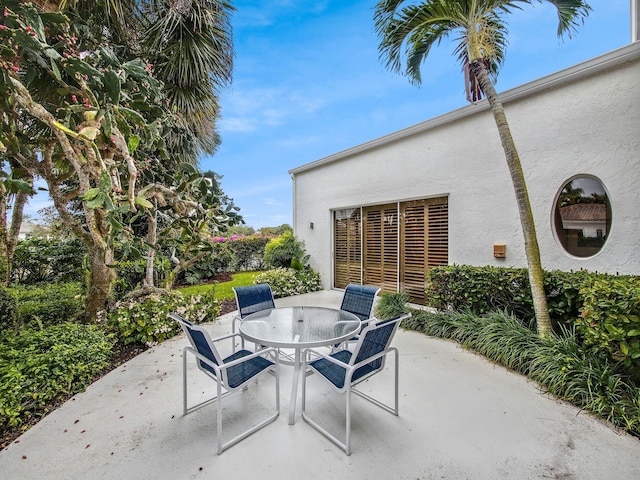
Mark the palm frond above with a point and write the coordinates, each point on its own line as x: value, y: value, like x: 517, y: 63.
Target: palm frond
x: 571, y: 15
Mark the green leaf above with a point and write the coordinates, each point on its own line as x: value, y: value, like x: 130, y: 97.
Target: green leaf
x: 108, y: 124
x: 135, y: 68
x: 110, y: 57
x: 91, y: 194
x: 633, y: 333
x: 131, y: 115
x: 112, y: 84
x: 75, y: 65
x: 132, y: 143
x: 105, y: 181
x: 97, y: 202
x: 25, y: 40
x: 56, y: 70
x: 143, y: 202
x: 108, y: 203
x: 52, y: 54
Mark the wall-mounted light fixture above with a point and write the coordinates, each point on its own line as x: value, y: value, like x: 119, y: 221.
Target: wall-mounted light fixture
x: 310, y: 225
x: 499, y: 250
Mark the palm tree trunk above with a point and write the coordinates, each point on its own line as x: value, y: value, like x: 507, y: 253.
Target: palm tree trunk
x: 536, y: 274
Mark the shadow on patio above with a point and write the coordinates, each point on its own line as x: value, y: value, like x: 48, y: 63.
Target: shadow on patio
x: 461, y: 417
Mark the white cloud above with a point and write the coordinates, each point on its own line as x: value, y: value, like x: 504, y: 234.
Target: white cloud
x: 236, y: 125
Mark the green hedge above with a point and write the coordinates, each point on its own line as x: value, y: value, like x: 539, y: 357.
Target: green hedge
x: 604, y: 309
x: 8, y: 308
x: 48, y: 304
x: 249, y: 252
x: 486, y: 289
x: 40, y: 367
x: 38, y: 260
x: 610, y: 318
x: 289, y: 281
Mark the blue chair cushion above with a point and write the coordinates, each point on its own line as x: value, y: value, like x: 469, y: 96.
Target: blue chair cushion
x: 238, y: 374
x: 253, y: 298
x: 335, y: 373
x: 358, y: 299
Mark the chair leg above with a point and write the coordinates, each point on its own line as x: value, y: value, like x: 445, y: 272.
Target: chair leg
x: 347, y: 443
x: 344, y: 446
x: 391, y: 409
x: 184, y: 382
x: 223, y: 446
x: 219, y: 419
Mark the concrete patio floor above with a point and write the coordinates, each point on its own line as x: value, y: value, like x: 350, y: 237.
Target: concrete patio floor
x: 461, y: 417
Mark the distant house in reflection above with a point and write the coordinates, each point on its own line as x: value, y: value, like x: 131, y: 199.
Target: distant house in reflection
x: 589, y: 219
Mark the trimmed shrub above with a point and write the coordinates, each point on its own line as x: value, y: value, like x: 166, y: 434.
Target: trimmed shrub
x: 289, y: 281
x: 40, y: 367
x: 485, y: 289
x: 145, y: 319
x: 48, y: 304
x: 38, y: 260
x: 219, y: 260
x: 280, y: 251
x: 8, y: 308
x: 610, y: 319
x: 249, y: 252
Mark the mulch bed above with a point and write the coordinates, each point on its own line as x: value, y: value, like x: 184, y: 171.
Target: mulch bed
x: 122, y: 355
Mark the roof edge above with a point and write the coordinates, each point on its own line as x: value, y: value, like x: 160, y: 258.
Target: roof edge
x: 581, y: 70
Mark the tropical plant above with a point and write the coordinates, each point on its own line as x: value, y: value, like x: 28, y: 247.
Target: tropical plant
x: 286, y: 282
x: 110, y: 117
x: 412, y: 30
x: 43, y: 366
x: 285, y: 251
x: 8, y: 308
x: 144, y: 319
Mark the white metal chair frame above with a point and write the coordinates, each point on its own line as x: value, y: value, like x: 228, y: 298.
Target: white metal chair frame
x: 220, y: 375
x: 350, y: 368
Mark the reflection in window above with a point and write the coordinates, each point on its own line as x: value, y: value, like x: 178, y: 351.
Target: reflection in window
x: 582, y: 216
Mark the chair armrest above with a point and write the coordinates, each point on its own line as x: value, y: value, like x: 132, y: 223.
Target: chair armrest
x: 325, y: 356
x: 229, y: 336
x: 259, y: 353
x: 368, y: 321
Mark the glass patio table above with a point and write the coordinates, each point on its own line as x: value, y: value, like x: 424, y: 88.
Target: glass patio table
x: 299, y: 328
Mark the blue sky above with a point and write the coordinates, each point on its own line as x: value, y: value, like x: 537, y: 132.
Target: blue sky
x: 308, y: 83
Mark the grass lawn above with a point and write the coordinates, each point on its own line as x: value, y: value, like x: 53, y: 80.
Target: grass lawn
x: 224, y: 290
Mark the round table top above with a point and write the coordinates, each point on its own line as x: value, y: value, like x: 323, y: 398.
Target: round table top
x: 296, y: 327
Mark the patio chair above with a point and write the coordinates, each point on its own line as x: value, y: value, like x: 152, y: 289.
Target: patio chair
x: 231, y: 373
x: 359, y: 299
x: 344, y: 369
x: 251, y: 299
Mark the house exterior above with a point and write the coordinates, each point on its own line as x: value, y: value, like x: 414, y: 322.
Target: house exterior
x: 385, y: 212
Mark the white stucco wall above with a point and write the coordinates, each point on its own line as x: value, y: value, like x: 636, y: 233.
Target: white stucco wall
x: 583, y: 120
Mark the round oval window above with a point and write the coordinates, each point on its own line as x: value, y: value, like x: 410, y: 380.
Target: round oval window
x: 582, y: 216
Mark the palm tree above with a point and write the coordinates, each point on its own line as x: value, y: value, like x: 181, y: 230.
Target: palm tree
x: 189, y: 45
x: 412, y: 30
